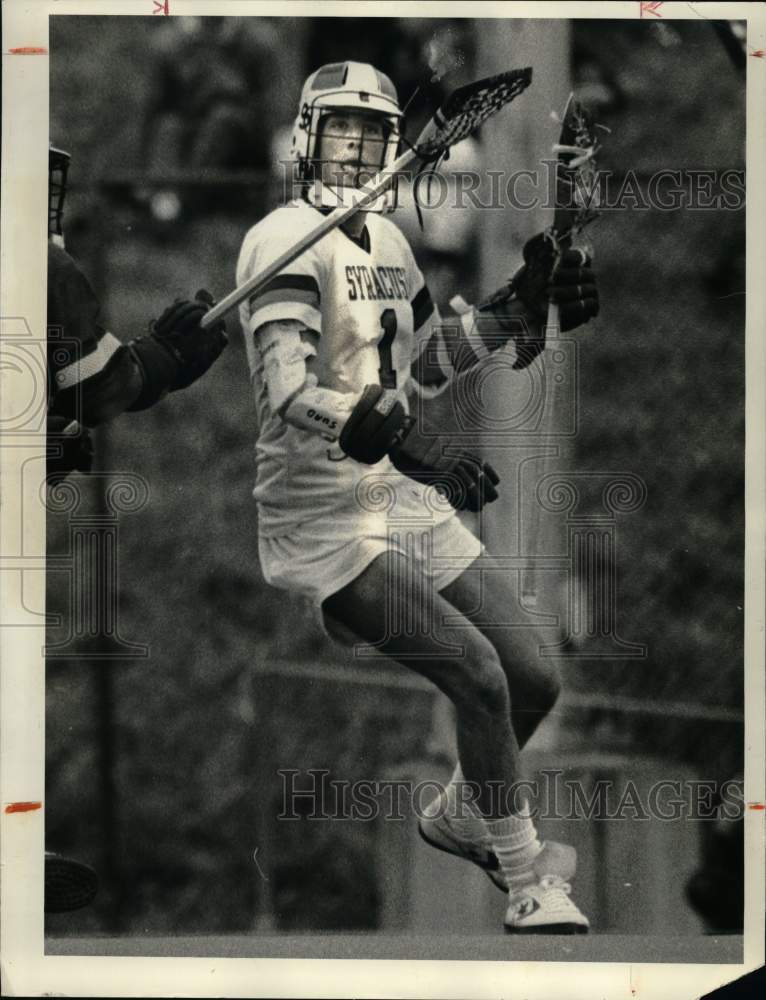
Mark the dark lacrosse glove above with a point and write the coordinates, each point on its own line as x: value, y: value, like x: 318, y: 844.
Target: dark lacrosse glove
x: 573, y: 288
x: 194, y: 349
x: 374, y: 426
x: 177, y: 351
x: 379, y: 426
x: 466, y: 481
x: 69, y: 448
x: 571, y: 283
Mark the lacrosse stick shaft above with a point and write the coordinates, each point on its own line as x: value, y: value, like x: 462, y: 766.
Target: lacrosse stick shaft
x: 361, y: 197
x: 552, y: 321
x: 532, y: 580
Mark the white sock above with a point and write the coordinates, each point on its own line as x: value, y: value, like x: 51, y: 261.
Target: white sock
x: 515, y: 842
x: 459, y: 811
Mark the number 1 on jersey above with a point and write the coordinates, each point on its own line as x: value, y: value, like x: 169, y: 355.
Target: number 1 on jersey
x: 386, y: 371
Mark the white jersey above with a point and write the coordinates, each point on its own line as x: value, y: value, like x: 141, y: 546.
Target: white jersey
x: 370, y: 307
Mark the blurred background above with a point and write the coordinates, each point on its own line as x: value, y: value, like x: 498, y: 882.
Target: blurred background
x: 161, y: 768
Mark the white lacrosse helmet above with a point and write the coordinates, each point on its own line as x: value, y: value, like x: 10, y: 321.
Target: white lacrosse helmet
x: 346, y: 86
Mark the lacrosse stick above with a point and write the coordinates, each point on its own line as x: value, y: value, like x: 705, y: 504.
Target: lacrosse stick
x: 458, y: 117
x: 576, y: 196
x: 577, y: 193
x: 576, y: 204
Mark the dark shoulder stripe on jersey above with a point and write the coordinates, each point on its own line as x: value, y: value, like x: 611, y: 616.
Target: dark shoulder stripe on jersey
x: 422, y: 307
x: 288, y: 288
x: 305, y: 298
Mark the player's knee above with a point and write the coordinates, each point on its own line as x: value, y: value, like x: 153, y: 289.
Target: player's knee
x: 548, y: 688
x: 487, y: 684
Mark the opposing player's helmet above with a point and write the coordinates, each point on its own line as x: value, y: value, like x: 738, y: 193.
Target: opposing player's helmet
x: 58, y: 167
x: 346, y: 86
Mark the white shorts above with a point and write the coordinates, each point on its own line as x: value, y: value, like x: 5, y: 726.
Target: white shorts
x: 321, y: 556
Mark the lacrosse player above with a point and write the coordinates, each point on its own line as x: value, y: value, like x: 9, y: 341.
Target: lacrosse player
x: 333, y: 343
x: 92, y: 377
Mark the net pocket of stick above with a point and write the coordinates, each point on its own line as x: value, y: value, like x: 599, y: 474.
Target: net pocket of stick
x: 467, y: 108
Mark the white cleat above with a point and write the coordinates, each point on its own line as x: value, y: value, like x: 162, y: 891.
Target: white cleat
x: 543, y: 906
x: 439, y: 833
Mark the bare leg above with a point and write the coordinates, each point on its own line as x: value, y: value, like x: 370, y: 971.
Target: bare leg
x: 479, y: 683
x: 457, y: 658
x: 484, y: 597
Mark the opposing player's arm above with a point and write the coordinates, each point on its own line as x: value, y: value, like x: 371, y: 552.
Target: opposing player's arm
x: 94, y: 376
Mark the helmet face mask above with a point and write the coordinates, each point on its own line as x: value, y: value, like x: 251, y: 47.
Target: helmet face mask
x: 350, y: 147
x: 347, y: 131
x: 58, y: 168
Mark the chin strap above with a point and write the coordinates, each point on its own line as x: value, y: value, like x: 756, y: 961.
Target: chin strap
x: 314, y: 195
x: 432, y: 164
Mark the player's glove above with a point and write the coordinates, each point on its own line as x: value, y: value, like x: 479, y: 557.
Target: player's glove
x: 375, y: 425
x: 194, y: 349
x: 571, y: 283
x: 466, y: 481
x: 178, y: 350
x: 378, y: 426
x: 69, y: 448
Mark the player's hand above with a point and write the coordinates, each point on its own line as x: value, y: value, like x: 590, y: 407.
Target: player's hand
x: 569, y: 281
x: 375, y: 424
x: 194, y: 349
x: 467, y: 482
x: 378, y: 426
x: 69, y: 448
x: 572, y: 287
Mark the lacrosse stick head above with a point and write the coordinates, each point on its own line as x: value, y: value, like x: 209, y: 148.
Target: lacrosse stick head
x: 577, y: 180
x: 467, y: 108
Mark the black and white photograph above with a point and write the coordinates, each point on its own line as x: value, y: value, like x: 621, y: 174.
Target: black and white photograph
x: 382, y: 562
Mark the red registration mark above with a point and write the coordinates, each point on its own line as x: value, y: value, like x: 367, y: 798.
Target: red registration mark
x: 23, y: 807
